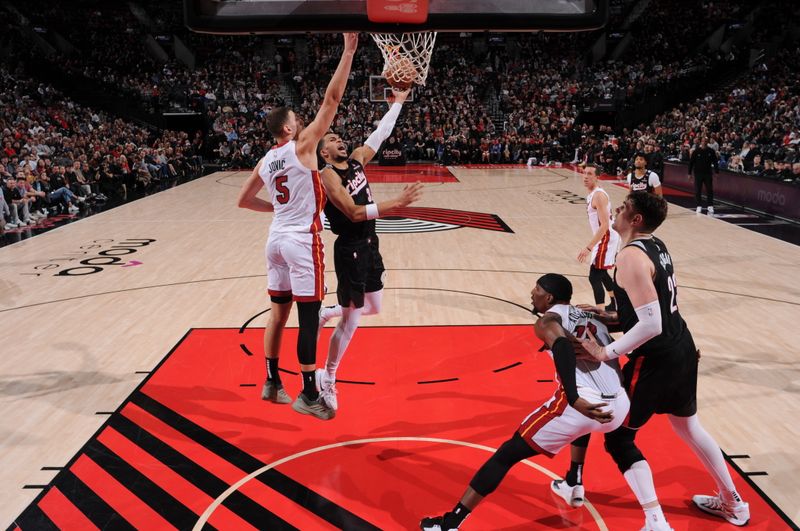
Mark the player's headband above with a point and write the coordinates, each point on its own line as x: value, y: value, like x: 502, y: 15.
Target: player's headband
x: 556, y: 285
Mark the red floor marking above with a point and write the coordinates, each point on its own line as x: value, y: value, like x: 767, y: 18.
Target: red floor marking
x: 224, y: 470
x: 169, y: 480
x: 411, y: 173
x: 63, y: 513
x: 392, y: 484
x: 123, y: 501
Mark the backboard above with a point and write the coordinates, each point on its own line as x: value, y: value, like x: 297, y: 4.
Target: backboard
x: 301, y: 16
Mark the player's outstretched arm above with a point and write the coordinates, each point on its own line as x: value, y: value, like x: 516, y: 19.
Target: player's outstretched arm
x: 635, y: 275
x: 548, y: 328
x: 249, y: 190
x: 337, y: 194
x: 309, y: 137
x: 367, y: 152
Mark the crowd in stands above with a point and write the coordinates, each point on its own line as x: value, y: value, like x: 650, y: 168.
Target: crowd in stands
x: 519, y: 102
x: 58, y: 156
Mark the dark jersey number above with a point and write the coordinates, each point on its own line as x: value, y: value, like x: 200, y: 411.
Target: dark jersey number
x: 580, y: 331
x: 283, y: 192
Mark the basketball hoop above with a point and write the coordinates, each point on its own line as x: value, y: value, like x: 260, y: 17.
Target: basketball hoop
x: 406, y: 57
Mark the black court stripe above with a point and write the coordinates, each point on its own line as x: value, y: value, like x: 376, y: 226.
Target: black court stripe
x: 250, y: 511
x: 300, y: 494
x: 141, y: 486
x: 501, y: 369
x: 319, y: 505
x: 34, y: 518
x: 90, y: 504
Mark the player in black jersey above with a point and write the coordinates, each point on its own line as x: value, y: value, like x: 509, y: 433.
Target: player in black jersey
x: 641, y: 179
x: 661, y: 373
x: 351, y: 212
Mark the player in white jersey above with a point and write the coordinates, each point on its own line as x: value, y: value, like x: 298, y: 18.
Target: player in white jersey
x: 295, y: 261
x: 601, y: 251
x: 589, y: 398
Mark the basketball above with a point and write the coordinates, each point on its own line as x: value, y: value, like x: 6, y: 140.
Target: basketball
x: 400, y: 73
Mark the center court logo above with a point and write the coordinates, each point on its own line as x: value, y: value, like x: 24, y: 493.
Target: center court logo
x: 93, y: 257
x: 418, y: 219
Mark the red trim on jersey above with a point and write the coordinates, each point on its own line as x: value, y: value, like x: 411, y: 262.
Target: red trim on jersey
x: 318, y: 257
x: 276, y: 146
x: 319, y: 201
x: 538, y: 419
x: 275, y: 293
x: 602, y: 250
x: 634, y: 378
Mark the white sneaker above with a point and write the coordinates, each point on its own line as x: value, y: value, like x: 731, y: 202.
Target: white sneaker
x: 710, y: 211
x: 327, y: 388
x: 72, y: 209
x: 21, y: 223
x: 656, y: 527
x: 10, y: 225
x: 737, y: 513
x: 699, y: 210
x: 572, y: 495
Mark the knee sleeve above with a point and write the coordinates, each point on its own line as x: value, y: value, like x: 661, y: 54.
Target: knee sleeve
x: 582, y: 441
x: 280, y: 300
x: 372, y: 302
x: 622, y: 449
x: 308, y: 316
x: 495, y: 469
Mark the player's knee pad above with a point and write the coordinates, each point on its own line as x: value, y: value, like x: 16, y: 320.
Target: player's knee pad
x: 281, y: 300
x: 372, y: 302
x: 582, y: 441
x: 495, y: 469
x: 622, y: 449
x: 308, y: 317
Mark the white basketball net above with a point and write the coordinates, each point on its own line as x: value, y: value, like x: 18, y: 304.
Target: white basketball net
x: 406, y: 56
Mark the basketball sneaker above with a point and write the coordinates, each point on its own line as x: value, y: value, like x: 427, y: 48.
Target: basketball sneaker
x: 316, y: 408
x: 572, y: 495
x: 327, y: 388
x: 436, y: 523
x: 699, y: 210
x: 710, y: 211
x: 735, y: 512
x: 661, y: 526
x: 275, y: 393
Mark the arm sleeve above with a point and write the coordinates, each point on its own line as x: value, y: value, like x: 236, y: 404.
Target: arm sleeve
x: 648, y: 327
x: 564, y: 358
x: 384, y: 127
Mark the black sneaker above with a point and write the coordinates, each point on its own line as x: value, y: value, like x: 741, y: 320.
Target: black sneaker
x: 612, y: 306
x: 435, y: 523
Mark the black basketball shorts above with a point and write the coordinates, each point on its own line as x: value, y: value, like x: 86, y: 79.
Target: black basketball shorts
x: 662, y: 383
x: 359, y: 269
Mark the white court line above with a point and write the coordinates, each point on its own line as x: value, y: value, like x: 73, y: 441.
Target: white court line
x: 601, y: 525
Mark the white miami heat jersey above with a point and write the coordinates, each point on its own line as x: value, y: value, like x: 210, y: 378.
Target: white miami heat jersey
x: 295, y: 191
x: 607, y: 247
x: 603, y: 377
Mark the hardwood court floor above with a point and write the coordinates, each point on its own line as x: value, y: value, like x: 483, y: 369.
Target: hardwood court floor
x: 79, y: 338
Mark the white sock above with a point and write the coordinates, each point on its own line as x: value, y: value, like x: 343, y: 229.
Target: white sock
x: 655, y: 515
x: 707, y: 451
x: 640, y: 479
x: 341, y: 337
